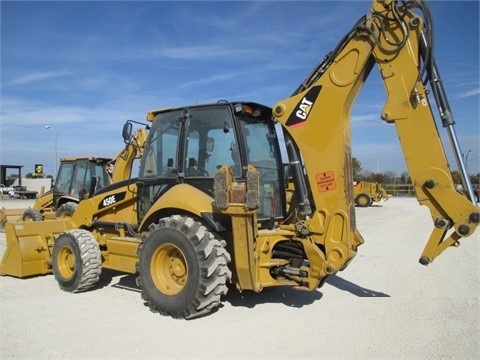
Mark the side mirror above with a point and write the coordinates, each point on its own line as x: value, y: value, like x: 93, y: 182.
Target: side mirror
x: 127, y: 132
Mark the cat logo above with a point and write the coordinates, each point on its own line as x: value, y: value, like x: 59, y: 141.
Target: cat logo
x: 303, y: 108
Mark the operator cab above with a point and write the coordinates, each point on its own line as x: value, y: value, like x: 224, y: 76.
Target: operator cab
x: 75, y: 176
x: 188, y: 145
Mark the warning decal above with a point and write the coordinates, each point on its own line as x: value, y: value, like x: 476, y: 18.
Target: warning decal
x: 326, y: 181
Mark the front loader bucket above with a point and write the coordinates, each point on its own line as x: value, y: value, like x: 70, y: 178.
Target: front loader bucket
x: 27, y: 252
x: 383, y: 194
x: 9, y: 215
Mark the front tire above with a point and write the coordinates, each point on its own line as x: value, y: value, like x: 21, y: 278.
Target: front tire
x: 182, y: 268
x: 76, y: 260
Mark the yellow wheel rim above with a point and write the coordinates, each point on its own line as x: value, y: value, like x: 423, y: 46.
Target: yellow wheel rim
x: 169, y: 269
x: 66, y: 262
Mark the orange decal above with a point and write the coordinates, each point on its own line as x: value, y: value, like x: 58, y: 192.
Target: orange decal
x: 326, y: 181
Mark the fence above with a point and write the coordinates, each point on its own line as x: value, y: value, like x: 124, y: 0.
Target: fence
x: 399, y: 189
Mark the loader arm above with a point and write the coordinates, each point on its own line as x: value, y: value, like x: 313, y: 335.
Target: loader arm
x: 122, y: 162
x: 316, y: 123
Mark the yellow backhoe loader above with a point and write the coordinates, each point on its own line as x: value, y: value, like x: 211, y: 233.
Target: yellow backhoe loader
x: 366, y: 193
x: 79, y: 177
x: 209, y: 205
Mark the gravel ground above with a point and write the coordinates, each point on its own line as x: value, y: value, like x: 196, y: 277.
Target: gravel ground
x: 384, y: 305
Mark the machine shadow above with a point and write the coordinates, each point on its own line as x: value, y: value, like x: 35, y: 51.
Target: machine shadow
x: 283, y: 295
x: 125, y: 281
x: 295, y: 298
x: 352, y: 288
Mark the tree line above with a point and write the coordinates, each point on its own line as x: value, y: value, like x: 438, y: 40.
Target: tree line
x: 390, y: 177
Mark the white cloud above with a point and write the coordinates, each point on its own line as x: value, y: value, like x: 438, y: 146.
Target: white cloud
x: 469, y: 93
x: 33, y: 77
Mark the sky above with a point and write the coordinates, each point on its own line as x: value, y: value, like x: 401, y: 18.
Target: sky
x: 85, y: 67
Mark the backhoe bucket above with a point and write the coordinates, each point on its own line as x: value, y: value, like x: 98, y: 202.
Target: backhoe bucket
x: 28, y: 248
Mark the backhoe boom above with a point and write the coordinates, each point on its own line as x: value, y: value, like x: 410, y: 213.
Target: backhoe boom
x: 316, y: 120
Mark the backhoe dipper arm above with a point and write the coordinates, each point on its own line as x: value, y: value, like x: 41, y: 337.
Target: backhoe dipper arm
x: 316, y: 122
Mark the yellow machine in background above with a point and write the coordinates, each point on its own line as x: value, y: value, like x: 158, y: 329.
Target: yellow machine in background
x: 366, y: 193
x: 72, y: 183
x: 209, y: 206
x: 79, y: 177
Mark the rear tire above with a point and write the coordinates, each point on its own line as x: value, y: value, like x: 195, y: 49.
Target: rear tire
x: 66, y: 210
x: 32, y: 215
x: 182, y: 268
x: 76, y: 260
